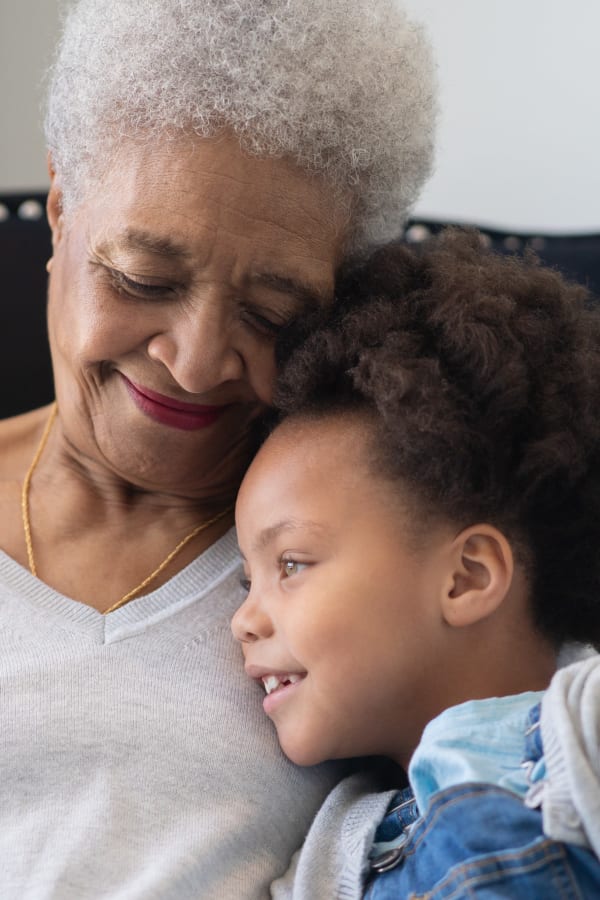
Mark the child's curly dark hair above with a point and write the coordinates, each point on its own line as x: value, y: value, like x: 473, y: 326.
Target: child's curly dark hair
x: 482, y: 375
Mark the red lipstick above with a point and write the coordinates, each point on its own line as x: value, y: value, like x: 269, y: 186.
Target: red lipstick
x: 171, y: 412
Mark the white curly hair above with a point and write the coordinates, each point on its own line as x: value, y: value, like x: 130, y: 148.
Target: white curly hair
x: 344, y: 88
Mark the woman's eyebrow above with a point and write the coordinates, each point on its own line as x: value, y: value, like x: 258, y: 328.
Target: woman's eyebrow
x: 137, y: 239
x: 309, y: 295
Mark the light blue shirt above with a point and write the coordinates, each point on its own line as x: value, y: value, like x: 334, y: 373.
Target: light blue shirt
x: 479, y: 741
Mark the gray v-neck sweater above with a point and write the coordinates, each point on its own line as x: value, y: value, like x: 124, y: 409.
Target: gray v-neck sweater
x: 135, y: 758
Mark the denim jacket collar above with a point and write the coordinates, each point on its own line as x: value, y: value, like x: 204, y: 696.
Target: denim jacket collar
x: 477, y: 741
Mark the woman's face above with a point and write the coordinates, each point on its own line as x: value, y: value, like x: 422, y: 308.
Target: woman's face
x: 168, y: 286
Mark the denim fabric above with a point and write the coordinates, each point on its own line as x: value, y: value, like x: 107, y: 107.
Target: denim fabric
x: 482, y: 841
x: 478, y: 840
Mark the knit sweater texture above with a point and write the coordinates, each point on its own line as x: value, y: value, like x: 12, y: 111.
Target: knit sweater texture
x: 136, y: 760
x: 569, y: 795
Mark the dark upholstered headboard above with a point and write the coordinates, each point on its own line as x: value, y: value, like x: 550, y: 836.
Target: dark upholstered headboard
x: 25, y: 372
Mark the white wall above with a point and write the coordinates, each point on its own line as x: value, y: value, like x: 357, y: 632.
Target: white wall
x: 519, y: 138
x: 520, y: 131
x: 28, y: 30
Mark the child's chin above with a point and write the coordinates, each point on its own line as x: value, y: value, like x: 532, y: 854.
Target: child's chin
x: 301, y: 755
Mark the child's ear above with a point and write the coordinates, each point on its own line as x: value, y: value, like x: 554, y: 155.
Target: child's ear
x: 481, y: 576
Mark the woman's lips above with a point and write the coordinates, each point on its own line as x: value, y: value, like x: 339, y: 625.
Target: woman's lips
x: 167, y: 411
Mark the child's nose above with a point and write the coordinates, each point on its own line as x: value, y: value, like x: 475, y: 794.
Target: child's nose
x: 250, y: 623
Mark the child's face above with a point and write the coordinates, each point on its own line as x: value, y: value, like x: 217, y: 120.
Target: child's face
x: 340, y: 623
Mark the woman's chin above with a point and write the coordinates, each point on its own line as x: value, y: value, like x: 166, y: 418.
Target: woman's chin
x: 158, y: 456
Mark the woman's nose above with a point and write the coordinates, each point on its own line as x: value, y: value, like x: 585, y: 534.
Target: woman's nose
x: 250, y: 623
x: 197, y: 347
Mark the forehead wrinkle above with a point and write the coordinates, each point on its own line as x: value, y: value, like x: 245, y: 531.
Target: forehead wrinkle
x: 262, y: 211
x: 310, y: 296
x: 261, y: 215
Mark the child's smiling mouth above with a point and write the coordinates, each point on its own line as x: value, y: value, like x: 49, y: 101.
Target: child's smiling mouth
x: 273, y: 682
x: 278, y: 686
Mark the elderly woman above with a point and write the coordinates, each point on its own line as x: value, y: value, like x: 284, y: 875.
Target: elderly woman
x: 213, y: 162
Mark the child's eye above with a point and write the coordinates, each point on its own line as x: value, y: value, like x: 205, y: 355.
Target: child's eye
x: 291, y: 567
x: 246, y: 584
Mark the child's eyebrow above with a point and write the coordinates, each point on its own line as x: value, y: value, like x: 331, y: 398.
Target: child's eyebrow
x: 268, y: 535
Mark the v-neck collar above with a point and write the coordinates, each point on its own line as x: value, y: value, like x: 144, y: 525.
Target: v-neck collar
x: 184, y: 588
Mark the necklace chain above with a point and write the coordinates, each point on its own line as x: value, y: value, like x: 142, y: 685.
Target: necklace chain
x: 130, y: 595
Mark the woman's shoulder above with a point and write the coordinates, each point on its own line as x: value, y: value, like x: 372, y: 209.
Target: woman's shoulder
x: 18, y: 438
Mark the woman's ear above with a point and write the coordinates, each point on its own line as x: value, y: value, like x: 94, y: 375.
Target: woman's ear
x: 482, y: 573
x: 54, y: 206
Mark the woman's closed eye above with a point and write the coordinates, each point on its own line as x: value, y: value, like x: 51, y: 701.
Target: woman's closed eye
x: 265, y: 321
x: 144, y: 290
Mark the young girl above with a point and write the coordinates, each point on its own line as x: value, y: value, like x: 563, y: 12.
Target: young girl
x: 421, y: 535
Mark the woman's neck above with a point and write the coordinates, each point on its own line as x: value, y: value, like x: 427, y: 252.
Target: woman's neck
x: 94, y: 535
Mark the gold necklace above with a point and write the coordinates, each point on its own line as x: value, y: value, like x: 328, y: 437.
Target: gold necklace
x: 130, y: 595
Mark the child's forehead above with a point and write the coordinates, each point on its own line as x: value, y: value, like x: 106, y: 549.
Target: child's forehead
x: 309, y: 445
x: 319, y: 430
x: 314, y: 466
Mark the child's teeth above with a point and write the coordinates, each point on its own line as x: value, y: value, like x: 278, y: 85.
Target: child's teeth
x: 270, y: 682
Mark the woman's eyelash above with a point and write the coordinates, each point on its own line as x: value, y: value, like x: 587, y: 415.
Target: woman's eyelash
x: 263, y: 323
x: 245, y: 584
x: 139, y: 287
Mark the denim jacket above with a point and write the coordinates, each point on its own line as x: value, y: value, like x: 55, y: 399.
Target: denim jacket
x: 486, y: 786
x: 478, y: 839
